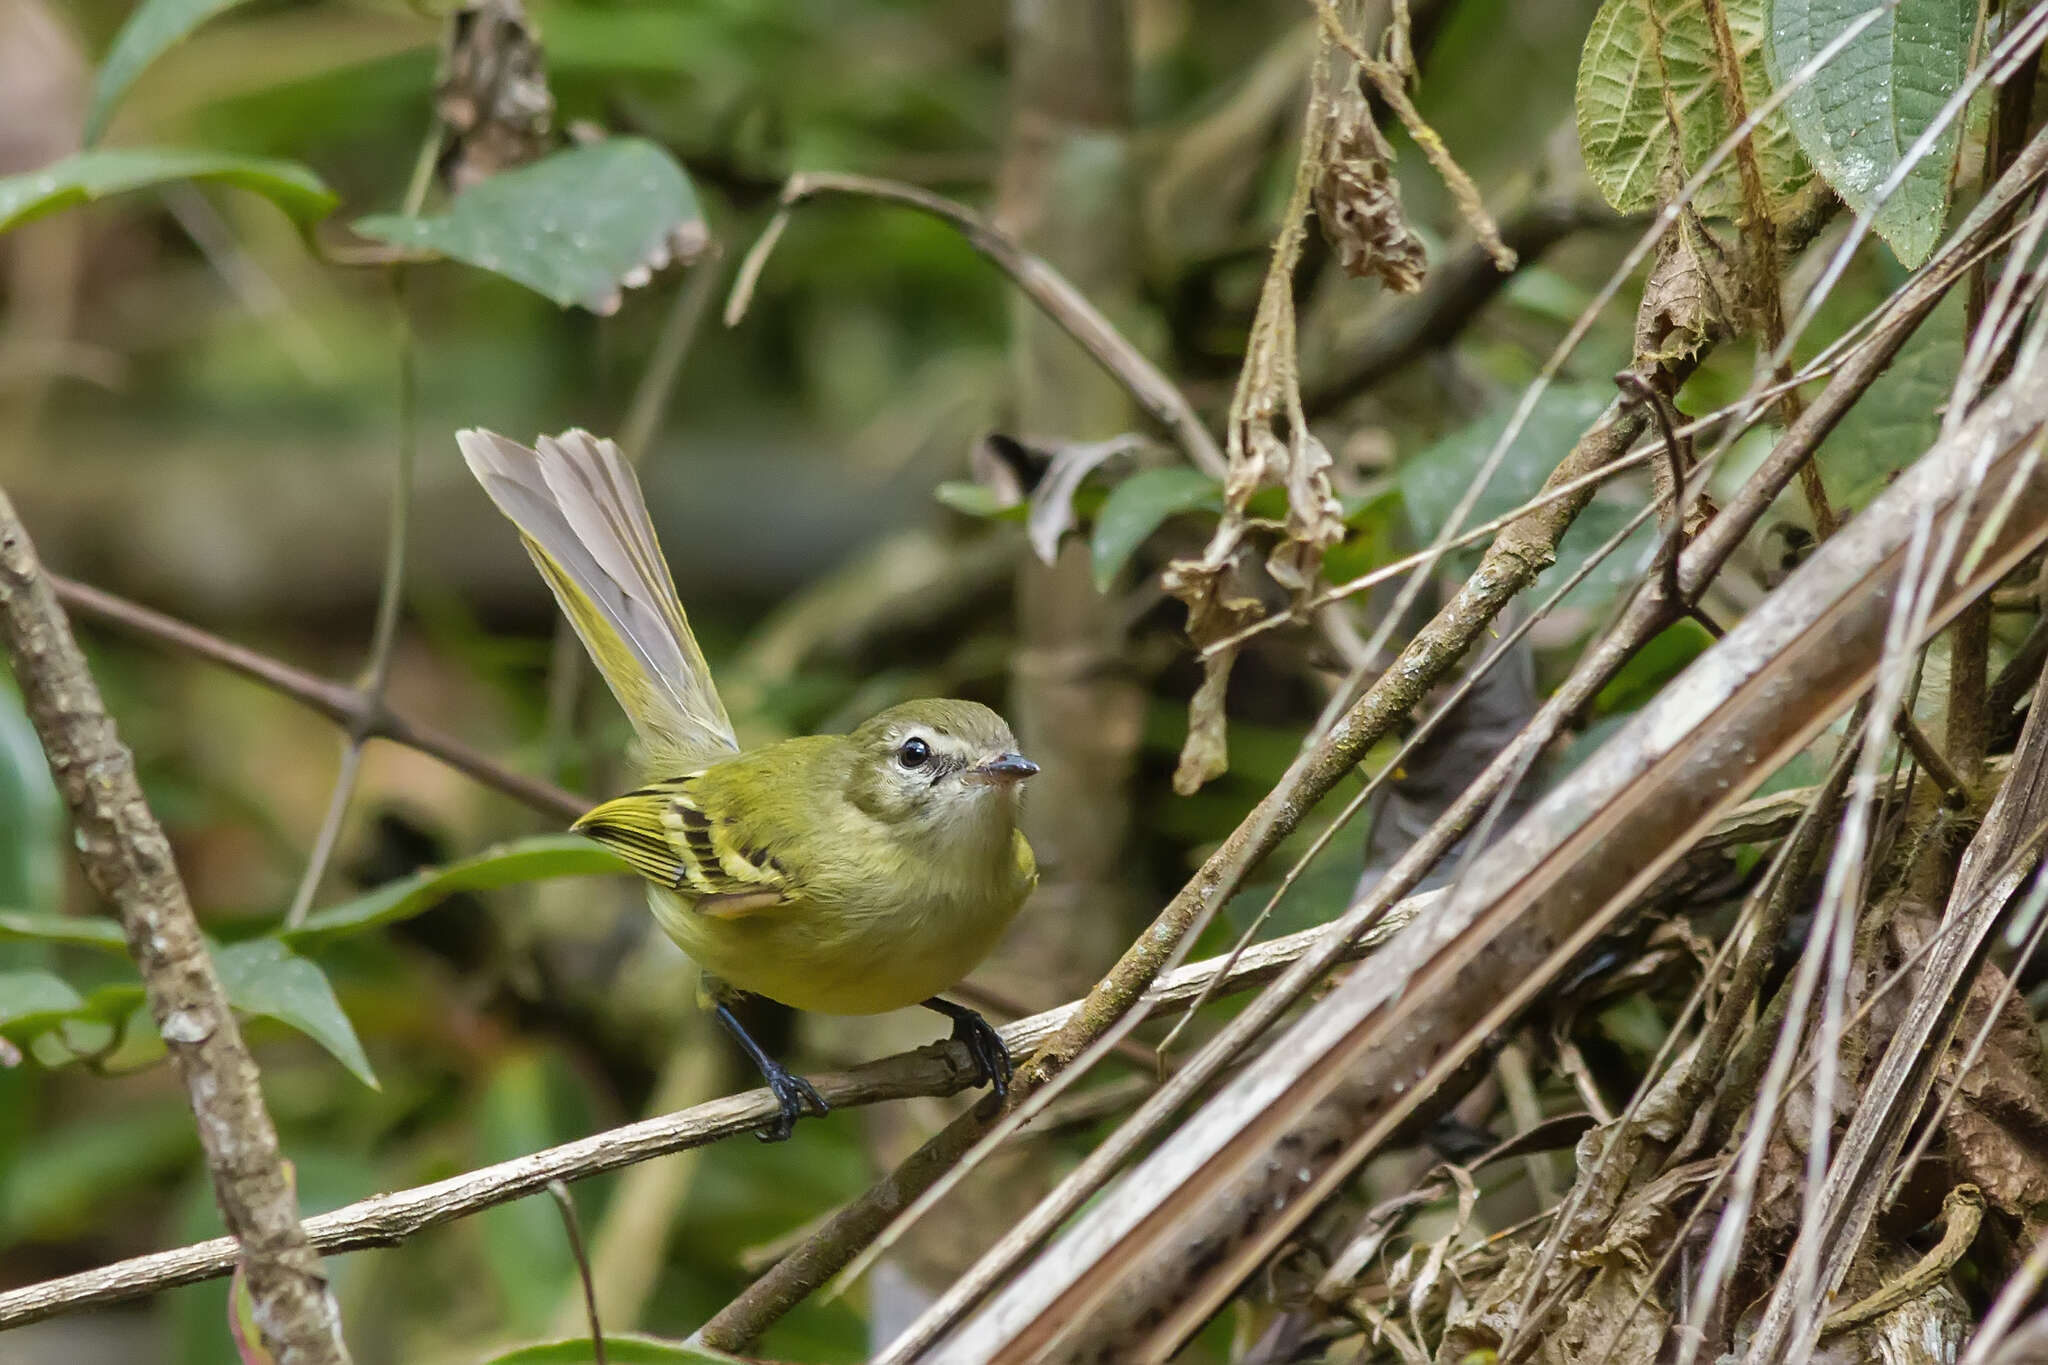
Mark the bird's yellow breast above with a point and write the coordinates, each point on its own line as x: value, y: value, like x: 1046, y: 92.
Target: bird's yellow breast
x: 860, y: 948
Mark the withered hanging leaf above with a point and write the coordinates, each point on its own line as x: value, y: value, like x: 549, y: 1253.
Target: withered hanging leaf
x: 1269, y: 445
x: 1359, y: 204
x: 1206, y: 754
x: 491, y: 93
x: 1220, y: 602
x: 1688, y: 301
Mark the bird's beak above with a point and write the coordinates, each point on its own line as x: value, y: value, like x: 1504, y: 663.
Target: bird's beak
x: 1005, y: 770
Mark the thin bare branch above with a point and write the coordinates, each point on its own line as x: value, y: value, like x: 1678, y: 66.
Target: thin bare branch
x: 572, y: 1228
x: 343, y: 705
x: 1145, y: 382
x: 384, y: 629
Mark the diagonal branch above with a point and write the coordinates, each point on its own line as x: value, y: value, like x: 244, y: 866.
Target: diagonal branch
x: 125, y: 856
x: 345, y: 706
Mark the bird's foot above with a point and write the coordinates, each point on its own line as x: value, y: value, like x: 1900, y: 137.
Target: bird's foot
x: 797, y: 1097
x: 795, y: 1094
x: 983, y: 1044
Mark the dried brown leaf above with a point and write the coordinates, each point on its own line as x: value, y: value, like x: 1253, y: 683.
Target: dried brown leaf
x: 1688, y: 301
x: 1358, y: 202
x: 1484, y: 1325
x: 1206, y: 754
x: 1615, y: 1320
x: 1998, y: 1125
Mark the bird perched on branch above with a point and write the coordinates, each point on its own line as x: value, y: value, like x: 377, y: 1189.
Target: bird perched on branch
x: 846, y: 874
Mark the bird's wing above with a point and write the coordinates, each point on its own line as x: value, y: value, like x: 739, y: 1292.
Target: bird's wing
x: 579, y: 510
x: 674, y: 833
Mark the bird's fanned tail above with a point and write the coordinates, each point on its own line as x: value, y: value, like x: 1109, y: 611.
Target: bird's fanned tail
x: 579, y: 509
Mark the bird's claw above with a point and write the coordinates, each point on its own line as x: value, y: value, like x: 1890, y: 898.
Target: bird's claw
x: 985, y: 1045
x: 797, y: 1097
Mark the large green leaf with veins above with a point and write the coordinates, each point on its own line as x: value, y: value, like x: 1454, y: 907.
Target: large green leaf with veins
x: 1651, y: 107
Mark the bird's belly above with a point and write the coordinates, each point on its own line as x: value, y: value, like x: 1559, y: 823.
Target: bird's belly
x: 820, y: 958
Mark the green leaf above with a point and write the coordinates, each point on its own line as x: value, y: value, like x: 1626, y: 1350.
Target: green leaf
x: 620, y: 1350
x: 507, y: 864
x: 1857, y: 116
x: 1663, y: 658
x: 577, y: 226
x: 1139, y: 506
x: 1641, y: 53
x: 264, y: 977
x: 78, y: 931
x: 154, y: 27
x: 1899, y: 415
x: 33, y: 1001
x: 95, y: 175
x: 1434, y: 479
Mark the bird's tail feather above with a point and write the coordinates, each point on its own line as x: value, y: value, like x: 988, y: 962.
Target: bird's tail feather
x: 580, y: 512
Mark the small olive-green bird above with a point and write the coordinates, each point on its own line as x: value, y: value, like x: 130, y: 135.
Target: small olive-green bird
x: 847, y: 874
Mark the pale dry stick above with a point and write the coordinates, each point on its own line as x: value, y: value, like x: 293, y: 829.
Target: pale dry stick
x: 391, y: 588
x: 938, y: 1069
x: 1044, y: 286
x: 345, y: 706
x: 127, y: 859
x: 384, y: 631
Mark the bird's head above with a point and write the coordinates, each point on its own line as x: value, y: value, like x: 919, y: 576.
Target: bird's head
x: 938, y: 764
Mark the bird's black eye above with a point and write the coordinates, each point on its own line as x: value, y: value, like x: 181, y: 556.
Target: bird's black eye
x: 914, y: 753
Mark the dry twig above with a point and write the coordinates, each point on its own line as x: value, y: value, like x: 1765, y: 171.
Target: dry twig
x: 125, y: 856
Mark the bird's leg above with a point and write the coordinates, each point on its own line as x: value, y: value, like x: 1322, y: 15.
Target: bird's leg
x: 984, y: 1044
x: 796, y: 1095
